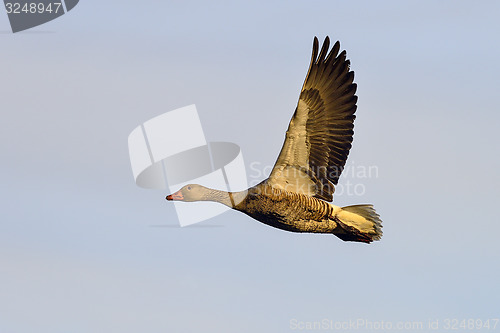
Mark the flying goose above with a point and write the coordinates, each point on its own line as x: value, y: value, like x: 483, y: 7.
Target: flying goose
x: 297, y: 195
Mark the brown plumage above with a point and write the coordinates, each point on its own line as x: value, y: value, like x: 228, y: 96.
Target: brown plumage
x: 314, y: 153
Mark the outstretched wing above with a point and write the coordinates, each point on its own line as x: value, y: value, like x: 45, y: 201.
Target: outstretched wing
x: 320, y: 133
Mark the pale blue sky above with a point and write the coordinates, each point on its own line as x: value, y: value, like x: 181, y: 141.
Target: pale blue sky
x: 80, y: 246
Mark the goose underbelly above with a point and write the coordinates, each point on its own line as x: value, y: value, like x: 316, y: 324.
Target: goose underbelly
x: 299, y: 225
x: 293, y: 212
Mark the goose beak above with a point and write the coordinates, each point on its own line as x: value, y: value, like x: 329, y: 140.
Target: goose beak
x: 175, y: 196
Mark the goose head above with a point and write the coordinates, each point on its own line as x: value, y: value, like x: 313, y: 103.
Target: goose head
x: 189, y: 193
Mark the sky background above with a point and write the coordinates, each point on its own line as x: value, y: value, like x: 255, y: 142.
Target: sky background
x: 83, y: 249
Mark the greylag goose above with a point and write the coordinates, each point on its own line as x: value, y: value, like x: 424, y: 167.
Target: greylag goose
x: 297, y: 195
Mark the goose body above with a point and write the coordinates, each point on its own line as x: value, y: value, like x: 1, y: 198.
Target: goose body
x: 296, y: 196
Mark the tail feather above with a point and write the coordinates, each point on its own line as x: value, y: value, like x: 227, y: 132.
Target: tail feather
x: 359, y: 223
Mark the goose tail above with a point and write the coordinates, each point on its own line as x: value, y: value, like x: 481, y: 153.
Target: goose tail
x: 358, y: 223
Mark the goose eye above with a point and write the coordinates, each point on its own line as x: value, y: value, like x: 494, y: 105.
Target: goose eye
x: 189, y: 188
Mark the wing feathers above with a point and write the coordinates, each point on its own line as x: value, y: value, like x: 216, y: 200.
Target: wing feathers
x: 324, y: 118
x: 324, y: 50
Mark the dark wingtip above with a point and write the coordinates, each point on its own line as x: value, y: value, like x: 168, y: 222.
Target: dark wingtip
x: 333, y: 53
x: 315, y: 48
x: 324, y: 50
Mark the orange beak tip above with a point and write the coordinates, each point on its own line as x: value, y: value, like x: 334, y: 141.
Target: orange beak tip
x: 175, y: 196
